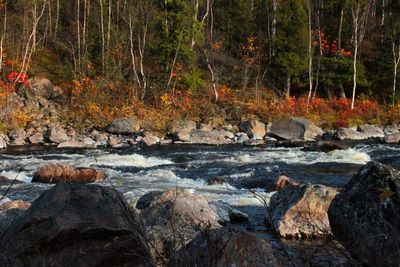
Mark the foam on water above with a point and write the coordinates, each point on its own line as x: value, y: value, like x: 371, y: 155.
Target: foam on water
x: 296, y: 156
x: 133, y: 160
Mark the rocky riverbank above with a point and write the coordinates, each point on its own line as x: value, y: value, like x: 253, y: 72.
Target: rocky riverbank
x: 44, y: 102
x: 176, y: 227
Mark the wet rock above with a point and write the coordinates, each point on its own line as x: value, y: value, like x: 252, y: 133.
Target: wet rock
x: 3, y: 143
x: 57, y: 135
x: 150, y: 140
x: 283, y: 182
x: 344, y: 133
x: 123, y: 126
x: 216, y: 181
x: 325, y: 146
x: 301, y: 211
x: 76, y: 225
x: 371, y: 131
x: 180, y: 130
x: 181, y: 207
x: 72, y: 144
x: 226, y: 248
x: 365, y: 216
x: 36, y: 138
x: 254, y: 129
x: 59, y: 173
x: 214, y: 137
x: 295, y: 129
x: 392, y: 137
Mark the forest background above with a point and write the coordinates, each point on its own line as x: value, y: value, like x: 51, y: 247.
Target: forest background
x: 334, y: 62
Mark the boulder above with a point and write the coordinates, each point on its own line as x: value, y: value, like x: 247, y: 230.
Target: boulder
x: 182, y: 208
x: 391, y: 129
x: 76, y: 225
x: 150, y: 140
x: 36, y: 138
x: 392, y: 137
x: 241, y: 137
x: 113, y: 141
x: 205, y: 127
x: 59, y: 173
x: 365, y: 216
x: 57, y: 135
x: 180, y: 130
x: 301, y: 211
x: 226, y: 248
x: 283, y: 182
x: 123, y: 126
x: 254, y: 129
x: 3, y: 143
x: 325, y: 146
x: 371, y: 131
x: 17, y: 137
x: 213, y: 137
x: 295, y: 129
x: 344, y: 133
x: 39, y: 88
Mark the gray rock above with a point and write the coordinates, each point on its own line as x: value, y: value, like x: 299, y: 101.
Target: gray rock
x: 344, y: 133
x: 241, y: 137
x: 214, y: 137
x: 57, y: 135
x: 123, y: 126
x: 295, y: 129
x: 36, y: 138
x: 371, y: 131
x: 205, y: 127
x: 365, y: 216
x: 180, y: 130
x: 39, y: 88
x: 391, y: 129
x: 150, y: 140
x: 392, y: 137
x: 254, y: 129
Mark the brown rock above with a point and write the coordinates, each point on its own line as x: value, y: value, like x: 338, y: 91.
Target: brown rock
x: 301, y: 211
x: 58, y: 173
x: 14, y: 204
x: 283, y: 182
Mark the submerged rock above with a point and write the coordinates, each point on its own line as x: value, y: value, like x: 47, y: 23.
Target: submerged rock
x: 295, y: 129
x: 365, y: 216
x: 325, y: 146
x: 283, y: 182
x: 254, y: 129
x: 123, y: 126
x: 76, y: 225
x: 59, y: 173
x: 226, y: 248
x: 301, y: 211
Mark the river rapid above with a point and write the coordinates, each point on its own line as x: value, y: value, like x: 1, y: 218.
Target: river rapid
x: 135, y: 171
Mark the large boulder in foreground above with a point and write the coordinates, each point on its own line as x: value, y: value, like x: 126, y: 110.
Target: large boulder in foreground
x: 301, y: 211
x: 60, y: 173
x: 254, y: 129
x: 76, y: 225
x: 226, y: 248
x: 295, y: 129
x: 365, y: 216
x: 123, y: 126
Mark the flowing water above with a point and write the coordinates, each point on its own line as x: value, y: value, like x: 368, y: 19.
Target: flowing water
x: 135, y: 171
